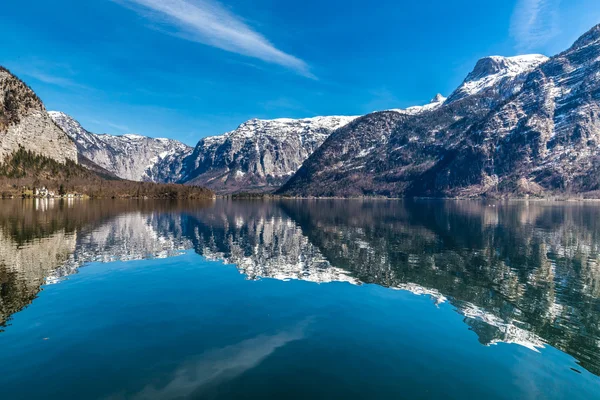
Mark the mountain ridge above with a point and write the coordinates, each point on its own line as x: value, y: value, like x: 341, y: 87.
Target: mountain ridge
x: 130, y: 156
x: 259, y: 155
x: 516, y: 126
x: 532, y: 130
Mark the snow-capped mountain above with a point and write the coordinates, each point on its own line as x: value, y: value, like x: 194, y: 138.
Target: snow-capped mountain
x: 545, y: 139
x: 526, y: 125
x: 435, y: 103
x: 25, y: 123
x: 132, y: 157
x: 494, y: 71
x: 259, y: 154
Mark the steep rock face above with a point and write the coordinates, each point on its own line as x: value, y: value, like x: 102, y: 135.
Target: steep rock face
x: 259, y: 154
x: 337, y: 168
x: 546, y: 139
x: 25, y: 123
x: 132, y: 157
x: 516, y: 126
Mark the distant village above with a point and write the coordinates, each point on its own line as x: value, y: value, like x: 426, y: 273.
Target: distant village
x: 44, y: 193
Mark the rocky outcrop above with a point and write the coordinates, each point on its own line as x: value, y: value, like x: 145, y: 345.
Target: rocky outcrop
x: 260, y: 155
x: 132, y: 157
x: 25, y: 123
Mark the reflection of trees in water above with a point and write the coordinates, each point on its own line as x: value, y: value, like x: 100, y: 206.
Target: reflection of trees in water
x: 519, y: 272
x: 42, y: 241
x: 23, y: 269
x: 534, y: 266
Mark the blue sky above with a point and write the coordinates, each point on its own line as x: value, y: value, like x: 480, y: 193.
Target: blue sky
x: 186, y: 69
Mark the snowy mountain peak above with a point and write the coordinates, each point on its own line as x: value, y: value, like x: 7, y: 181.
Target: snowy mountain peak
x: 435, y: 103
x: 63, y: 120
x: 286, y: 126
x: 490, y: 71
x: 498, y: 65
x: 438, y: 99
x: 259, y: 154
x: 71, y: 127
x: 134, y: 157
x: 590, y: 37
x: 134, y: 136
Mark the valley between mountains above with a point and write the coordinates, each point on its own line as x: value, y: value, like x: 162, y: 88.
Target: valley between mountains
x: 523, y: 126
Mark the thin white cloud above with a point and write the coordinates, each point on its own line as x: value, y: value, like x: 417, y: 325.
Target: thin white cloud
x: 122, y: 128
x: 208, y: 22
x: 534, y: 23
x: 51, y: 79
x: 48, y: 72
x: 102, y: 124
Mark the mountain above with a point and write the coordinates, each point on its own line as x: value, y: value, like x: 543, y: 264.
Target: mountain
x: 497, y: 72
x: 544, y: 140
x: 24, y: 170
x: 35, y: 152
x: 132, y: 157
x: 260, y: 155
x: 517, y: 126
x: 24, y: 123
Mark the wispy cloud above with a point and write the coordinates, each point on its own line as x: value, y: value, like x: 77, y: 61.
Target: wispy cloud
x: 103, y: 124
x: 208, y: 22
x: 56, y: 74
x: 52, y: 79
x: 534, y: 23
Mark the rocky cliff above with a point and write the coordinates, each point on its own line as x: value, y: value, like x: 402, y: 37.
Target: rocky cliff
x: 25, y: 123
x: 260, y: 155
x: 132, y: 157
x: 545, y: 139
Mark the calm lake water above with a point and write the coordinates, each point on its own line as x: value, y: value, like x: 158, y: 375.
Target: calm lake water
x: 299, y: 299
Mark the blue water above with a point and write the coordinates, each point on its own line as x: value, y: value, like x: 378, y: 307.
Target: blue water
x: 188, y: 327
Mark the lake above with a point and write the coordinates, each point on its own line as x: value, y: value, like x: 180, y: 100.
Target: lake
x: 299, y: 299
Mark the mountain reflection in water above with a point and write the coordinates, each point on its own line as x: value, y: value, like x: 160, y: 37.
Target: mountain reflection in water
x: 525, y: 272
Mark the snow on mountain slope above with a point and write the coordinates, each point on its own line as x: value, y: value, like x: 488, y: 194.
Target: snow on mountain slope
x: 259, y: 154
x: 435, y: 103
x: 384, y: 152
x: 545, y: 139
x: 133, y: 157
x: 491, y: 71
x: 517, y: 126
